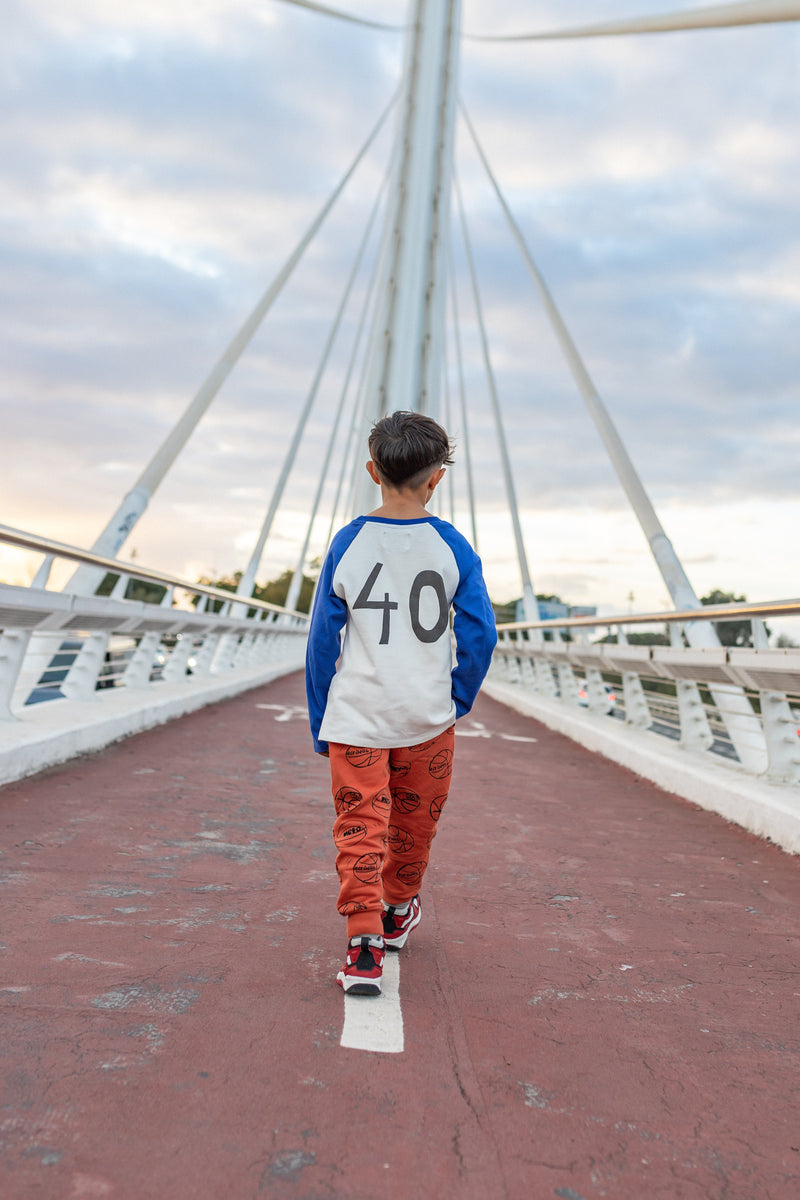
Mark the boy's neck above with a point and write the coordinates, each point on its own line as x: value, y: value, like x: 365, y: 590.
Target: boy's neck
x: 404, y: 503
x: 401, y: 505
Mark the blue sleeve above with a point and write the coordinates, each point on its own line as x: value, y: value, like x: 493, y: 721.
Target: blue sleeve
x: 474, y: 625
x: 328, y: 618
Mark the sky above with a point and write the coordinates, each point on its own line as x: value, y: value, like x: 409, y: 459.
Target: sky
x: 160, y: 161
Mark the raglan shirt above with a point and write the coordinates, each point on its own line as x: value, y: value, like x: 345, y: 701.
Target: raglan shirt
x: 379, y: 663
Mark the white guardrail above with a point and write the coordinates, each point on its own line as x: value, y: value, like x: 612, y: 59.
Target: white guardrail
x: 78, y: 671
x: 736, y: 703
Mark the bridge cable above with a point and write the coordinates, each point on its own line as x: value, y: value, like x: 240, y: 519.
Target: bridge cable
x: 718, y: 16
x: 451, y: 496
x: 749, y: 742
x: 326, y: 11
x: 248, y: 578
x: 297, y: 577
x: 357, y: 417
x: 462, y: 397
x: 681, y: 590
x: 529, y: 601
x: 135, y: 502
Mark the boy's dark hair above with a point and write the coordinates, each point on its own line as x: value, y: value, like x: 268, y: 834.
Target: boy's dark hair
x: 405, y: 445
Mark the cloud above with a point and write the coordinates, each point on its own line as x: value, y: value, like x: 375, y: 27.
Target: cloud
x: 159, y: 163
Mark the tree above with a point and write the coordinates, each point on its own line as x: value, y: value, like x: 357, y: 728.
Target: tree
x: 274, y: 592
x: 731, y: 633
x: 136, y: 589
x: 640, y: 639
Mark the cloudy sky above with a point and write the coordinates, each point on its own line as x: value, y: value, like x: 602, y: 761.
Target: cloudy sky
x: 160, y: 159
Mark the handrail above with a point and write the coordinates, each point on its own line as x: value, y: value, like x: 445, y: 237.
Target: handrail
x: 42, y: 545
x: 708, y: 612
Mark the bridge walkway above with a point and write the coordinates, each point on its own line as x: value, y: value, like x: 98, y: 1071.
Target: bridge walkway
x: 601, y: 1001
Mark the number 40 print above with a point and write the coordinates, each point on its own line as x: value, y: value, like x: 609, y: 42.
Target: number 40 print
x: 431, y: 579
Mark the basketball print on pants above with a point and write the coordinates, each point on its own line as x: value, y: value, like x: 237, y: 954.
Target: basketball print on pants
x: 388, y: 804
x: 367, y: 868
x: 348, y: 832
x: 405, y: 800
x: 346, y: 799
x: 437, y: 804
x: 411, y: 873
x: 382, y: 804
x: 362, y: 756
x: 441, y: 765
x: 400, y: 840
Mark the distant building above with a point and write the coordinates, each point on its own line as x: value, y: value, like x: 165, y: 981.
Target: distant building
x: 552, y: 610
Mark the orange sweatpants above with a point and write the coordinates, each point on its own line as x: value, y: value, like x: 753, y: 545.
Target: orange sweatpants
x: 387, y: 805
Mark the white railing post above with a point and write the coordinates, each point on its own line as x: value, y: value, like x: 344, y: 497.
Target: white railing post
x: 637, y: 710
x: 13, y: 644
x: 137, y: 674
x: 783, y: 744
x: 695, y: 729
x: 205, y: 655
x: 567, y: 684
x: 175, y: 667
x: 596, y: 698
x: 81, y: 680
x: 527, y: 670
x: 544, y: 677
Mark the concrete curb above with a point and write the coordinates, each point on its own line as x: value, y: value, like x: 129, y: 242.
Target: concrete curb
x: 769, y: 810
x: 52, y: 733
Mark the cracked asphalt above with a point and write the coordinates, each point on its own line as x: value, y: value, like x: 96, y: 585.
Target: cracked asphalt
x: 602, y: 999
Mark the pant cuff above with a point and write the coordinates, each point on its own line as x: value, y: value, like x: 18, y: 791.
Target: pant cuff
x: 364, y: 924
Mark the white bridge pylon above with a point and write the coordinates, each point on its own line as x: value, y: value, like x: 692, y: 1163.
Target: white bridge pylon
x: 402, y: 361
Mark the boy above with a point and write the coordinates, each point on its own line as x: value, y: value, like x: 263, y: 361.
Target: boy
x: 383, y: 698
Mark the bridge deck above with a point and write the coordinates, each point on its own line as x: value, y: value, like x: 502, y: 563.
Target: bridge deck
x: 601, y: 1001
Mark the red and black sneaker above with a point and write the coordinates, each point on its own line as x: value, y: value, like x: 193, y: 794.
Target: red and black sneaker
x: 397, y: 926
x: 363, y: 968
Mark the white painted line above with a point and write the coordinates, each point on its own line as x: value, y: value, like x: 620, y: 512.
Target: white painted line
x: 376, y: 1022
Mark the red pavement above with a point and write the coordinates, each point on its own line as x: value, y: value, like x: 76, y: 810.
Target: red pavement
x: 601, y: 1000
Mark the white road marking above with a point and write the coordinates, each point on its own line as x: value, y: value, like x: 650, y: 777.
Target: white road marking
x: 476, y: 729
x: 376, y: 1022
x: 286, y: 711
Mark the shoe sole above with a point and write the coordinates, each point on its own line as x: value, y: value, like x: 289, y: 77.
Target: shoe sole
x: 358, y: 987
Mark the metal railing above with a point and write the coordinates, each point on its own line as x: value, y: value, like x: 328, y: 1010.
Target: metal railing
x: 738, y: 702
x: 733, y: 701
x: 59, y: 645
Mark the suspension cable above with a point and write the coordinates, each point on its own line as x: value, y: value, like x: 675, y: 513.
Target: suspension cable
x: 529, y: 597
x: 248, y: 578
x: 326, y: 11
x: 661, y: 547
x: 157, y: 468
x: 297, y: 577
x: 362, y: 323
x: 718, y: 16
x: 451, y: 496
x: 462, y: 397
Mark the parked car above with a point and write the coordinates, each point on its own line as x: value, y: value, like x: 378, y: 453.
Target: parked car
x: 611, y: 696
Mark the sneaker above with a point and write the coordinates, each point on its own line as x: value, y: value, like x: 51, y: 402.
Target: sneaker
x: 397, y: 926
x: 363, y: 967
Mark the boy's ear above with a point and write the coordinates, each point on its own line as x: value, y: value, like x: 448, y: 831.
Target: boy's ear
x: 372, y: 472
x: 435, y: 478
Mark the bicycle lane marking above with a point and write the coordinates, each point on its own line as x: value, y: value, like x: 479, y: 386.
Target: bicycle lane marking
x: 376, y: 1022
